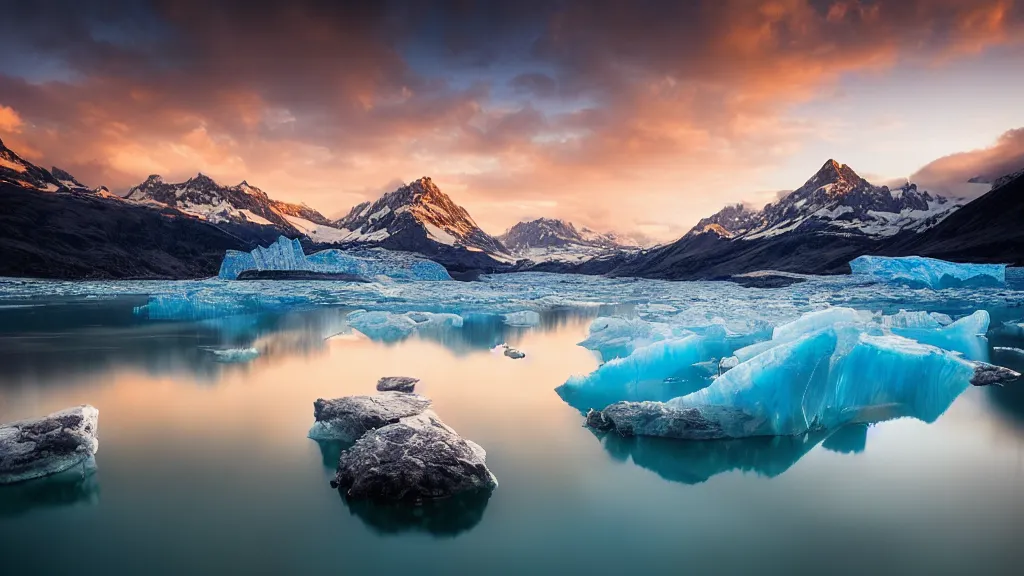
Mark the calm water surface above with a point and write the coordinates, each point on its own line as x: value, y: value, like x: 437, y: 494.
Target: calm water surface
x: 206, y: 468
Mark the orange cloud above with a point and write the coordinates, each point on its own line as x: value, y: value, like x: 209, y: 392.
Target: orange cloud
x: 10, y: 121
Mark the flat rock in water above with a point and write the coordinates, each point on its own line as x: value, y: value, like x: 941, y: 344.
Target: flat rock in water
x: 36, y: 448
x: 418, y: 458
x: 348, y: 418
x: 397, y: 384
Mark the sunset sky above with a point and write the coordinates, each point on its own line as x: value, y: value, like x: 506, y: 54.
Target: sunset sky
x: 632, y: 115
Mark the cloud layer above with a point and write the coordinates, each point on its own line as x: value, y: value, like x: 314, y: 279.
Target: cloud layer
x: 634, y: 114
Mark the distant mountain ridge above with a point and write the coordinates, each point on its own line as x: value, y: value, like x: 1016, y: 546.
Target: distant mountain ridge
x: 836, y: 200
x: 202, y: 197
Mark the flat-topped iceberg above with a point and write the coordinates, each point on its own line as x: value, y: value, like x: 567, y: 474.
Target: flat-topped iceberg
x: 287, y: 254
x: 920, y: 272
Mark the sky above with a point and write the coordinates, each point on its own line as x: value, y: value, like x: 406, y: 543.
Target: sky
x: 636, y: 116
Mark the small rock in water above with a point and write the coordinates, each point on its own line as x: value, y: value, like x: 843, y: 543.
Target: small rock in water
x: 36, y: 448
x: 513, y: 353
x: 397, y: 384
x: 989, y: 374
x: 348, y: 418
x: 418, y: 458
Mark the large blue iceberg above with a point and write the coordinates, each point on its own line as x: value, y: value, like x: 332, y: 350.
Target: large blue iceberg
x: 919, y: 272
x: 287, y: 254
x: 825, y: 370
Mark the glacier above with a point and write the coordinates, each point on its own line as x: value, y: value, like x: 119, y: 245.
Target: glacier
x: 917, y: 271
x: 285, y: 254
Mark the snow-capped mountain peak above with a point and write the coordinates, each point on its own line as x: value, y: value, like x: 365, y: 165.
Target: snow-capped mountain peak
x: 835, y: 200
x: 547, y: 239
x: 202, y: 197
x: 414, y: 212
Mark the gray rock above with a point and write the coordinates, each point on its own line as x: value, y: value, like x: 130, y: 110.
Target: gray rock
x: 36, y: 448
x: 660, y: 419
x: 514, y: 354
x: 989, y: 374
x: 397, y: 384
x: 416, y: 459
x: 348, y: 418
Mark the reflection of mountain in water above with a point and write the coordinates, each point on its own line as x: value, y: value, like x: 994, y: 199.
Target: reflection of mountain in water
x: 78, y: 485
x: 446, y: 517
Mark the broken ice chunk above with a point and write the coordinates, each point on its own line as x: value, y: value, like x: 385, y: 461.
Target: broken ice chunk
x: 36, y: 448
x: 235, y: 355
x: 614, y: 337
x: 524, y: 318
x: 915, y: 271
x: 392, y: 327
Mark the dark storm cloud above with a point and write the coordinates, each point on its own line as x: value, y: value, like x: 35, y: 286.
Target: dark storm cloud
x: 574, y: 97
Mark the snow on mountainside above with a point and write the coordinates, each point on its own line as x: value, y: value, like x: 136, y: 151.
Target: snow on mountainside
x: 15, y: 170
x: 834, y: 201
x: 416, y: 213
x: 200, y: 196
x: 550, y: 239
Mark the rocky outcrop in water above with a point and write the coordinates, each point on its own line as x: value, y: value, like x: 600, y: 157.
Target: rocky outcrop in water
x: 418, y: 458
x: 350, y: 417
x: 402, y: 451
x: 397, y: 384
x: 36, y: 448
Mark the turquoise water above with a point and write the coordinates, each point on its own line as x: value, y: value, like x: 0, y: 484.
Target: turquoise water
x: 205, y: 467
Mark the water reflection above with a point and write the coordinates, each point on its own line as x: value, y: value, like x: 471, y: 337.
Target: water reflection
x: 695, y: 462
x: 76, y: 486
x: 445, y: 517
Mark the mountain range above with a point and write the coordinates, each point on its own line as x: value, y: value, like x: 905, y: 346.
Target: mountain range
x: 55, y: 226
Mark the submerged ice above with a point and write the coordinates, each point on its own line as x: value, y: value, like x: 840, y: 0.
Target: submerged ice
x: 287, y: 254
x: 917, y: 271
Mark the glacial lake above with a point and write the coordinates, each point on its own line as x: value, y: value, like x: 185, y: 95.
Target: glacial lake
x: 205, y: 467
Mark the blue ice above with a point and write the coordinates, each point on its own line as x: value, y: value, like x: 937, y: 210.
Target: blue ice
x: 615, y: 337
x: 916, y: 271
x: 523, y: 318
x: 805, y: 385
x: 287, y: 254
x: 392, y: 327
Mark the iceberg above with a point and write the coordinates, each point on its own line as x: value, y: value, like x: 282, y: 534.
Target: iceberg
x: 825, y: 370
x: 35, y: 448
x: 614, y: 337
x: 524, y: 318
x: 393, y: 327
x: 651, y: 372
x: 285, y: 254
x: 919, y: 272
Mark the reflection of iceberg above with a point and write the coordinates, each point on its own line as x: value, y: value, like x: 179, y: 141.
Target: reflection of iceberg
x: 444, y: 517
x: 208, y: 304
x: 287, y: 254
x: 522, y: 318
x: 916, y: 271
x: 76, y: 485
x: 697, y: 462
